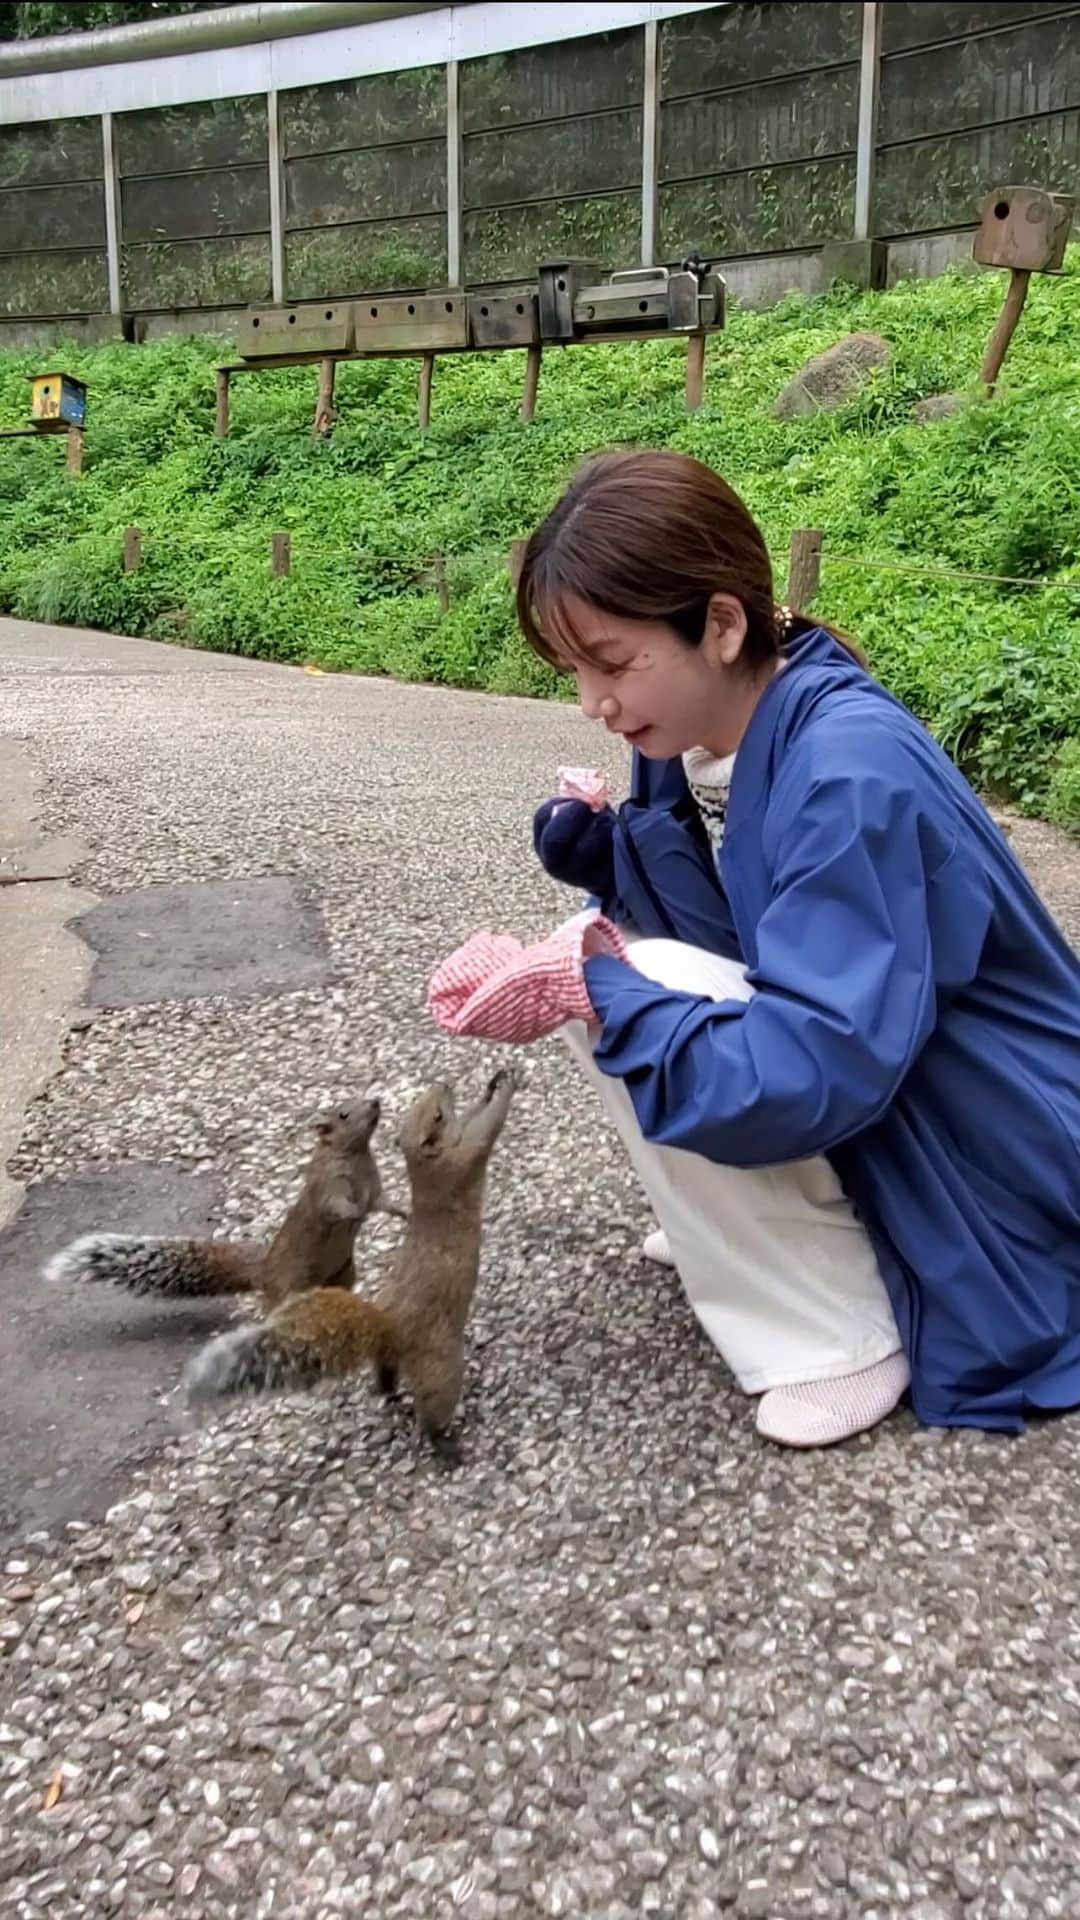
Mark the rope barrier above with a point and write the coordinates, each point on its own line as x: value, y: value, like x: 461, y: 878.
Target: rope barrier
x: 948, y: 573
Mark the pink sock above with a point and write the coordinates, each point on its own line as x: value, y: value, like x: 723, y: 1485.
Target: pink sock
x: 817, y: 1413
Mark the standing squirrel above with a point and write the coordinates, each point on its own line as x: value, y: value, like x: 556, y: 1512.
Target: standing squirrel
x: 414, y: 1327
x: 313, y: 1246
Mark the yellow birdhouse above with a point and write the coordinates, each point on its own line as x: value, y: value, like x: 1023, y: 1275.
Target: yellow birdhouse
x: 58, y: 401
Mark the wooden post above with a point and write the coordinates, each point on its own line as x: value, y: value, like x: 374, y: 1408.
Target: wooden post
x: 221, y: 413
x: 695, y: 371
x: 532, y: 380
x: 132, y: 548
x: 280, y: 554
x: 324, y: 405
x: 438, y: 574
x: 74, y: 449
x: 804, y: 567
x: 998, y: 344
x: 427, y: 369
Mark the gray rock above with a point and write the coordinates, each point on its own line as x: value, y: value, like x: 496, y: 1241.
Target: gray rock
x: 833, y: 377
x: 936, y: 406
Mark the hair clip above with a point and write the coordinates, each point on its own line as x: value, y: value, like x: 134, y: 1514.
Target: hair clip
x: 785, y: 621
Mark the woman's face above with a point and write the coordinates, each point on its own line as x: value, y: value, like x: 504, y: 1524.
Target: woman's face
x: 661, y: 695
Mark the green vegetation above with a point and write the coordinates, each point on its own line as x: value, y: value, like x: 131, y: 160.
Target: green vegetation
x: 994, y: 669
x: 29, y: 19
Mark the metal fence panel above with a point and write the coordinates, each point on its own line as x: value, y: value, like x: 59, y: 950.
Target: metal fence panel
x: 52, y: 219
x: 552, y: 155
x: 377, y: 182
x: 505, y: 243
x: 365, y: 184
x: 551, y: 82
x: 36, y: 156
x: 53, y: 283
x: 768, y: 210
x: 33, y: 218
x: 920, y: 23
x: 197, y: 273
x: 939, y: 183
x: 377, y: 257
x: 210, y: 133
x: 365, y: 112
x: 700, y: 52
x: 998, y: 102
x: 1034, y: 68
x: 757, y: 152
x: 590, y: 155
x: 196, y: 206
x: 761, y: 126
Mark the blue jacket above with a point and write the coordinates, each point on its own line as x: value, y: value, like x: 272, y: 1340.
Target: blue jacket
x: 917, y: 1019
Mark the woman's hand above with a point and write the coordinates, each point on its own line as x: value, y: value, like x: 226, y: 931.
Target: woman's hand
x: 572, y: 832
x: 496, y: 989
x: 574, y: 844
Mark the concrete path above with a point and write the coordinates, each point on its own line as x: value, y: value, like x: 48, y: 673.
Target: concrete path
x: 628, y: 1661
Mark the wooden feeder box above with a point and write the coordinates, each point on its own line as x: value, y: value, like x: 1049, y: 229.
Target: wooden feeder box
x: 559, y: 281
x: 1026, y: 230
x: 268, y: 333
x: 571, y: 302
x: 649, y: 300
x: 411, y: 323
x: 57, y: 402
x: 503, y: 320
x: 1024, y: 227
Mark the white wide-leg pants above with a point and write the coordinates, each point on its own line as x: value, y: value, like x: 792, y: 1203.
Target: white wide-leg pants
x: 777, y: 1268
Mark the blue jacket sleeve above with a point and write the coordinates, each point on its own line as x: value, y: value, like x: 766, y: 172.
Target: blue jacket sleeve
x: 846, y: 991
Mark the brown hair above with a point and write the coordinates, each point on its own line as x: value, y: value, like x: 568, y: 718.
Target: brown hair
x: 650, y: 535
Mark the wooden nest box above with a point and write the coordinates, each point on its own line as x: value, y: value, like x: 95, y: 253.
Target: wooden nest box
x: 576, y: 302
x: 57, y: 402
x: 1025, y: 228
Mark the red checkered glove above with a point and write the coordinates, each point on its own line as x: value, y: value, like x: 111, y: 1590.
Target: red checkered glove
x: 496, y: 989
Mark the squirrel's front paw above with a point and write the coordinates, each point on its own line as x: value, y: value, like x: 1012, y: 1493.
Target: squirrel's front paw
x: 505, y: 1079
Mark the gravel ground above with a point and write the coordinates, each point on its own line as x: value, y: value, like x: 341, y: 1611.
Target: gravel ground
x: 628, y: 1660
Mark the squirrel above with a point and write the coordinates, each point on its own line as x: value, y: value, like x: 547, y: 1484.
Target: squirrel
x: 313, y: 1246
x: 695, y: 264
x: 414, y: 1326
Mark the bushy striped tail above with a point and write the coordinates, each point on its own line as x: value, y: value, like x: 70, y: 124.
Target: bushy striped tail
x: 314, y: 1336
x: 149, y: 1264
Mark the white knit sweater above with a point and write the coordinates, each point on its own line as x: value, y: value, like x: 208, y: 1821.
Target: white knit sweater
x: 709, y: 781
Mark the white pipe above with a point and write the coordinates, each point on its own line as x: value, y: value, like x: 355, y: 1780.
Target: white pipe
x: 407, y: 37
x: 276, y: 162
x: 866, y: 138
x: 195, y: 33
x: 453, y: 176
x: 111, y: 185
x: 650, y: 145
